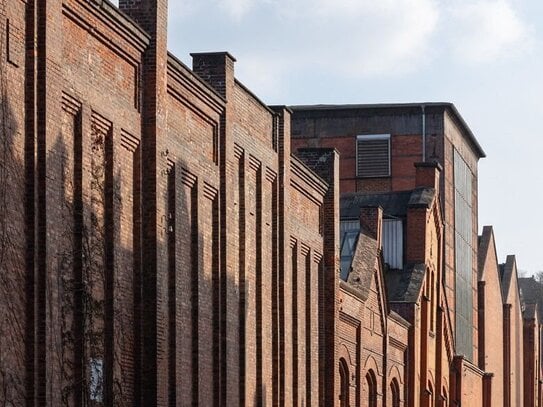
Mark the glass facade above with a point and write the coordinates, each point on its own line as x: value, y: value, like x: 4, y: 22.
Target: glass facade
x: 463, y: 235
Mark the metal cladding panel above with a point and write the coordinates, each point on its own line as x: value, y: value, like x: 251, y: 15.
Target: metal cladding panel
x: 393, y: 243
x: 463, y: 256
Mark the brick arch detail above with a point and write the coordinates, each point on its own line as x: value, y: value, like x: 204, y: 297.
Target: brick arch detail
x: 394, y: 373
x: 344, y: 353
x: 371, y: 364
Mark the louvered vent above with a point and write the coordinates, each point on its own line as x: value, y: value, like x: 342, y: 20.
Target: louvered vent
x: 373, y: 155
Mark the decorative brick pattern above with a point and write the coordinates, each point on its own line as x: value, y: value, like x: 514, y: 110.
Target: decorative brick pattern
x: 149, y: 221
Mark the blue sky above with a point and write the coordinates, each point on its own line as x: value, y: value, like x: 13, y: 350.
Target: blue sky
x: 483, y: 55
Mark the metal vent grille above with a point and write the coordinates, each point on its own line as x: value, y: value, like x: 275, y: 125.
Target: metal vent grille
x: 373, y: 156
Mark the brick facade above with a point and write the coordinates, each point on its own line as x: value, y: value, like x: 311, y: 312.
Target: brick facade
x: 371, y: 339
x: 513, y: 332
x: 432, y: 132
x: 490, y: 315
x: 162, y: 246
x: 163, y: 241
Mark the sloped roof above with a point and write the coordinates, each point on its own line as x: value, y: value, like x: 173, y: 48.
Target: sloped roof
x: 531, y: 296
x: 530, y: 311
x: 508, y: 270
x: 405, y: 285
x: 485, y: 241
x: 363, y: 263
x: 393, y: 203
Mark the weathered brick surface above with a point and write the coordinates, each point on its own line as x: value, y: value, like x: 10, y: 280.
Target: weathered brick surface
x: 444, y: 134
x: 152, y: 217
x: 370, y: 340
x: 513, y: 348
x: 490, y: 314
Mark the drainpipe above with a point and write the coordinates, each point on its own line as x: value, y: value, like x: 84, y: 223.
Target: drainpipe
x: 423, y: 132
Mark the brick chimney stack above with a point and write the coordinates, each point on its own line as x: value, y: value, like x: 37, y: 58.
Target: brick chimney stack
x: 427, y: 174
x: 215, y: 68
x: 151, y: 15
x: 371, y: 222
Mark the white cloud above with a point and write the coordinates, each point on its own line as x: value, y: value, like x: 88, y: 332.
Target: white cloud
x: 263, y: 73
x: 358, y: 38
x: 237, y: 9
x: 487, y: 30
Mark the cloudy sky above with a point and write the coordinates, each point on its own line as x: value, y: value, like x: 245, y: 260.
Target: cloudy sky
x: 486, y: 56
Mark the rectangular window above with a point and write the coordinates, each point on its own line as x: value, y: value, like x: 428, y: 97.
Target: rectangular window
x: 96, y: 385
x: 463, y: 228
x: 393, y: 243
x: 373, y: 155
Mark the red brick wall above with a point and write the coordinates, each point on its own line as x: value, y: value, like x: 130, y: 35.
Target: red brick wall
x: 515, y: 370
x: 338, y: 127
x: 531, y: 361
x: 16, y: 316
x: 149, y: 221
x: 491, y: 321
x: 467, y: 382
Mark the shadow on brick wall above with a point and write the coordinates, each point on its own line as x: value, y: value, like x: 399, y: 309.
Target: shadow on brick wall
x: 86, y: 320
x: 12, y: 255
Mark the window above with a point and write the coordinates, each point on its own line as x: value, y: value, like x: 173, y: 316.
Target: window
x: 373, y: 155
x: 371, y: 383
x: 444, y: 398
x: 392, y: 243
x: 430, y: 395
x: 395, y: 393
x: 464, y: 237
x: 347, y: 251
x: 96, y: 385
x: 344, y: 380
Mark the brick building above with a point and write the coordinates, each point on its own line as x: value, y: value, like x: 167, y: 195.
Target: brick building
x: 412, y: 235
x: 513, y: 329
x: 372, y: 339
x: 161, y: 246
x: 490, y: 304
x: 378, y: 145
x: 531, y: 292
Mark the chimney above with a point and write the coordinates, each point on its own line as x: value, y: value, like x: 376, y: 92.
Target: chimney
x: 371, y: 222
x: 427, y: 174
x: 150, y: 15
x: 215, y: 68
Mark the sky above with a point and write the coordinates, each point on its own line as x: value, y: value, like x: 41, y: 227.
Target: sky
x: 485, y: 56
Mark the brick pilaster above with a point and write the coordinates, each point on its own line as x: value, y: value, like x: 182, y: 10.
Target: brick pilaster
x: 152, y: 16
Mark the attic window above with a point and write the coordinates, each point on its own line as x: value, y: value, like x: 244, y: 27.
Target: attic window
x: 373, y: 155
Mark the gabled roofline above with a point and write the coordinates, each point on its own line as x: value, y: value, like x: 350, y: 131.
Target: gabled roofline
x: 509, y: 268
x: 486, y: 237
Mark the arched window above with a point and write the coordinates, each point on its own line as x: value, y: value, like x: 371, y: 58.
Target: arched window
x: 430, y: 394
x: 395, y: 393
x: 371, y: 383
x: 444, y: 398
x: 344, y: 380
